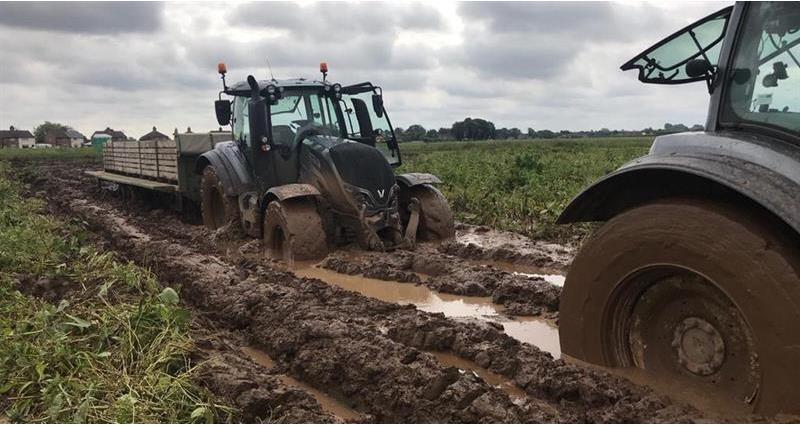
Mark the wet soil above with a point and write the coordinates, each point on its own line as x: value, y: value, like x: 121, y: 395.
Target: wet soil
x: 381, y: 359
x: 519, y: 294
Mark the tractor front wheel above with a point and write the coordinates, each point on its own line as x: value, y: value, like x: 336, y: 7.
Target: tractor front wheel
x: 293, y: 231
x: 435, y: 216
x: 699, y: 294
x: 217, y: 208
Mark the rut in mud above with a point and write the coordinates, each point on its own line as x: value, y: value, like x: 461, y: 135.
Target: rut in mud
x: 377, y: 357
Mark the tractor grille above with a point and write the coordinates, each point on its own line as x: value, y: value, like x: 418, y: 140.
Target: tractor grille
x: 365, y: 167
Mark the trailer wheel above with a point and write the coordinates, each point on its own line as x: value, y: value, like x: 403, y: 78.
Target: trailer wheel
x: 293, y: 231
x: 435, y: 217
x: 695, y: 293
x: 218, y: 209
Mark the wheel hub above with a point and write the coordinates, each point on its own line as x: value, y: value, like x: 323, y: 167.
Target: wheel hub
x: 700, y: 347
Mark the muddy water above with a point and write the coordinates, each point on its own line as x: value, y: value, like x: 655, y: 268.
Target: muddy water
x: 494, y: 379
x: 327, y: 402
x: 525, y: 329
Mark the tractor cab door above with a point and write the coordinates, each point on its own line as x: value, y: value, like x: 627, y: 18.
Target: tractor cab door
x: 691, y: 54
x: 259, y: 162
x: 366, y: 120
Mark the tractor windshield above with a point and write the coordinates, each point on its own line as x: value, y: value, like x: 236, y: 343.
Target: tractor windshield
x: 364, y: 123
x: 302, y: 109
x: 764, y: 81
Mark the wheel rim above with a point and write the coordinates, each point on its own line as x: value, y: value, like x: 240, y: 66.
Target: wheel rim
x: 679, y: 326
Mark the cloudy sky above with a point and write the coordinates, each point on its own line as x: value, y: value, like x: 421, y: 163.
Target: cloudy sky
x: 551, y: 65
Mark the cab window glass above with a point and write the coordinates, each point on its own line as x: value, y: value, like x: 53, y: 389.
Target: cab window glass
x: 382, y: 135
x: 764, y: 80
x: 287, y: 116
x: 665, y: 63
x: 241, y: 122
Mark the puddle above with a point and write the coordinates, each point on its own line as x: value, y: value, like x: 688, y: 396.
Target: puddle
x: 555, y: 279
x: 327, y: 402
x: 494, y: 379
x: 525, y: 329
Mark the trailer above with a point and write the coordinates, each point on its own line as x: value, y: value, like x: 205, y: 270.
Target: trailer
x: 166, y: 166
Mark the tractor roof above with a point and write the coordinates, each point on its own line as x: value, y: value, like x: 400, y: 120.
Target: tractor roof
x: 243, y: 89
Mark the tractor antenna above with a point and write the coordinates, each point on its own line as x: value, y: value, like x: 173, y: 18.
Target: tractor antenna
x: 269, y: 66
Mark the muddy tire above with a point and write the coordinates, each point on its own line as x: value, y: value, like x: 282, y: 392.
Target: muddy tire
x: 293, y: 231
x: 217, y: 209
x: 696, y: 293
x: 435, y: 217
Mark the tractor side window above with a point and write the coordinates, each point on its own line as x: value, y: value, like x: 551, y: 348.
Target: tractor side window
x: 241, y: 121
x: 665, y: 62
x: 764, y: 80
x: 350, y: 118
x: 378, y: 129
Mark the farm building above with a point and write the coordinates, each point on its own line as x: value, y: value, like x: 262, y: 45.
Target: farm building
x: 116, y: 135
x: 76, y: 138
x: 155, y: 135
x: 15, y: 138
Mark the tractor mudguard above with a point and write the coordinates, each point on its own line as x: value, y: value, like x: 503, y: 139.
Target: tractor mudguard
x: 763, y: 171
x: 414, y: 179
x: 231, y: 166
x: 289, y: 191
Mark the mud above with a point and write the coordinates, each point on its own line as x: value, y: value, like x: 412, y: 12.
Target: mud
x: 532, y: 330
x: 485, y: 244
x: 519, y: 294
x: 376, y: 357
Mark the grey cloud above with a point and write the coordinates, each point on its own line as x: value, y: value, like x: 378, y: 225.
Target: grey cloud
x: 83, y: 17
x: 337, y: 20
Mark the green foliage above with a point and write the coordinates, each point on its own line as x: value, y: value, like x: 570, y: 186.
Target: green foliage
x: 83, y: 153
x: 523, y: 185
x: 113, y: 349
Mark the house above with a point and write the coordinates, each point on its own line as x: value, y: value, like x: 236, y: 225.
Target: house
x: 58, y: 138
x: 76, y: 138
x: 155, y: 135
x: 13, y: 138
x: 116, y: 135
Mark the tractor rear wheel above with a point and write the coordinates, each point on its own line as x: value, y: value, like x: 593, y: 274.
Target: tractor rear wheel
x: 695, y: 293
x: 217, y: 208
x: 293, y: 231
x: 435, y: 217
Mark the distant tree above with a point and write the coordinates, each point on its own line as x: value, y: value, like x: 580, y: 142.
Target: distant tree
x: 697, y: 128
x: 514, y: 133
x: 432, y: 135
x: 415, y: 132
x: 41, y: 130
x: 445, y: 133
x: 398, y: 133
x: 531, y: 132
x: 473, y: 129
x: 502, y: 133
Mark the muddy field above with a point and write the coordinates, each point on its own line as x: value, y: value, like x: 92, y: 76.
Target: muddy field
x: 463, y: 332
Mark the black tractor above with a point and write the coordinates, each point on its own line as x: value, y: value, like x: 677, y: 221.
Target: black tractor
x: 311, y: 166
x: 694, y: 279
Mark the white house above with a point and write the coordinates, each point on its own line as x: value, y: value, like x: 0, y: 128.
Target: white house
x: 14, y: 138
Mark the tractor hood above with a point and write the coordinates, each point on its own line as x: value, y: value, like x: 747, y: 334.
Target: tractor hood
x: 352, y: 173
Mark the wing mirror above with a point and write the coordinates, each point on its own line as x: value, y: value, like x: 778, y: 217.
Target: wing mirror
x: 223, y: 109
x: 377, y: 104
x: 698, y: 67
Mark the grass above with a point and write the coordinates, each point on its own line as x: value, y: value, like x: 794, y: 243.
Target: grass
x: 111, y: 347
x: 522, y: 185
x: 84, y: 153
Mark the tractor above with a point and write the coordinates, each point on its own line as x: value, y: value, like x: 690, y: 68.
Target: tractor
x: 694, y: 276
x: 311, y: 166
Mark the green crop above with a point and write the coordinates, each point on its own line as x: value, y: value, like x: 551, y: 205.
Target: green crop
x: 521, y: 185
x: 108, y: 345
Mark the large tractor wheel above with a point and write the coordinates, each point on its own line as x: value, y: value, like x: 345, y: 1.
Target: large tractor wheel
x: 218, y: 209
x: 293, y: 231
x: 435, y: 217
x: 698, y: 294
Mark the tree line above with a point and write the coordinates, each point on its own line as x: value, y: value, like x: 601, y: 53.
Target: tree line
x: 480, y: 129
